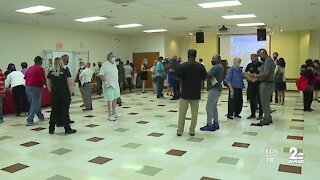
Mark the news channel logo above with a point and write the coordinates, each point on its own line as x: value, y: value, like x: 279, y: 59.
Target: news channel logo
x: 271, y: 155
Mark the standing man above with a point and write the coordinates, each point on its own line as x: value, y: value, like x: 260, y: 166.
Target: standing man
x: 160, y: 75
x: 86, y: 78
x: 275, y: 60
x: 35, y: 79
x: 266, y: 87
x: 253, y: 88
x: 191, y: 74
x: 176, y: 83
x: 111, y: 89
x: 215, y: 78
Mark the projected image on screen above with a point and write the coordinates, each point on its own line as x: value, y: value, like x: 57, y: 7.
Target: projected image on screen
x: 240, y: 46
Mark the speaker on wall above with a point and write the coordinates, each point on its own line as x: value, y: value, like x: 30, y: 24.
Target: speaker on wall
x: 199, y: 37
x: 262, y: 34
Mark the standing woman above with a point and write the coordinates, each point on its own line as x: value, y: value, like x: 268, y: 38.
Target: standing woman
x: 144, y: 74
x: 59, y: 83
x: 280, y: 80
x: 235, y: 82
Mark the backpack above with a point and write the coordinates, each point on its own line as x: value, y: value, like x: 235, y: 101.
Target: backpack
x: 278, y: 76
x: 302, y: 83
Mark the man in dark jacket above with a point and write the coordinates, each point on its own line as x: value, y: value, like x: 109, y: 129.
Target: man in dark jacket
x: 190, y: 74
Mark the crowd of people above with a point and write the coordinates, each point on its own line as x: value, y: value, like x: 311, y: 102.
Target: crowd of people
x: 185, y: 80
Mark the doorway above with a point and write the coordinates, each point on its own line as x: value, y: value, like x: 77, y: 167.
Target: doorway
x: 138, y: 58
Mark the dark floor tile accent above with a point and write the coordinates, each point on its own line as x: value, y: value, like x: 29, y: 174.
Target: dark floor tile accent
x: 149, y: 170
x: 90, y: 116
x: 121, y: 129
x: 298, y: 109
x: 295, y: 137
x: 29, y: 144
x: 159, y: 116
x: 61, y: 151
x: 38, y: 129
x: 142, y: 122
x: 296, y: 127
x: 162, y: 105
x: 250, y: 133
x: 228, y: 160
x: 297, y: 120
x: 241, y: 145
x: 287, y: 149
x: 133, y: 113
x: 92, y: 125
x: 173, y: 125
x: 175, y: 152
x: 173, y: 111
x: 16, y: 125
x: 290, y: 169
x: 208, y: 178
x: 95, y: 139
x: 188, y: 118
x: 126, y: 107
x: 298, y: 114
x: 155, y: 134
x: 224, y: 101
x: 58, y: 177
x: 100, y: 160
x: 14, y: 168
x: 5, y: 138
x: 152, y: 101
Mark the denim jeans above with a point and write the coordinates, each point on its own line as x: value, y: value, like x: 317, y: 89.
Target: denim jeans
x: 211, y: 107
x: 34, y: 98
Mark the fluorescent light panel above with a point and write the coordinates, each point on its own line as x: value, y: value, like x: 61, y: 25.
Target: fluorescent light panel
x: 251, y: 24
x: 154, y: 30
x: 220, y: 4
x: 240, y: 16
x: 90, y: 19
x: 128, y: 26
x: 35, y: 9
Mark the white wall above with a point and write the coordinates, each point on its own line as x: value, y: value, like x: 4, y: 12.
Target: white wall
x: 20, y: 42
x: 147, y: 43
x: 172, y: 46
x: 314, y: 50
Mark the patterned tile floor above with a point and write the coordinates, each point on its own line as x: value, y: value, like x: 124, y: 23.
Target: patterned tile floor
x: 143, y: 144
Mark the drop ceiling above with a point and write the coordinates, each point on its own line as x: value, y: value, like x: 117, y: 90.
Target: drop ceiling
x: 177, y: 16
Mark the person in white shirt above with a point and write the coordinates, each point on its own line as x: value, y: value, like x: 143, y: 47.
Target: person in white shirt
x: 16, y: 81
x: 85, y: 79
x: 111, y: 90
x: 128, y: 73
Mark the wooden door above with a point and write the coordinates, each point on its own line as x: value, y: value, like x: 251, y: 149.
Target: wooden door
x: 137, y: 59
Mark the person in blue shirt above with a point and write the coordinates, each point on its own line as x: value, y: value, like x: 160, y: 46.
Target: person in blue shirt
x: 235, y: 83
x: 160, y: 75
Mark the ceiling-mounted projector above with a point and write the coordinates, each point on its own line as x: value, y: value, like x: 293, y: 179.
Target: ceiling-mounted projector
x: 223, y: 29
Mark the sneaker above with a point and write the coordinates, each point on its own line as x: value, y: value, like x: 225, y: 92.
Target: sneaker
x: 115, y: 115
x: 206, y: 128
x: 229, y: 117
x: 111, y: 118
x: 237, y: 116
x: 215, y: 127
x: 44, y: 119
x: 31, y: 124
x: 71, y: 131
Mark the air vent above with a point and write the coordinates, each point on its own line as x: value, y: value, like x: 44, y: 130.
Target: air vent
x: 46, y: 13
x: 178, y: 18
x: 121, y: 1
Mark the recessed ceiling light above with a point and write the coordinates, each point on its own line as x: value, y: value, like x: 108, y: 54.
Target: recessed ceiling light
x: 127, y: 26
x: 35, y: 9
x: 90, y: 19
x: 251, y: 24
x: 220, y: 4
x: 239, y: 16
x: 154, y: 30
